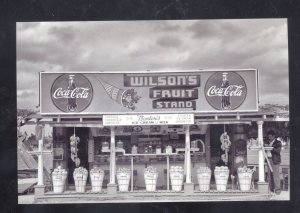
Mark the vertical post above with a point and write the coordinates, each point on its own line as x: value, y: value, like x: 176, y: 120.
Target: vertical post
x: 112, y: 156
x: 188, y: 154
x: 40, y: 187
x: 261, y: 185
x: 188, y: 185
x: 261, y: 166
x: 112, y: 186
x: 168, y: 172
x: 207, y: 146
x: 40, y: 160
x: 132, y: 173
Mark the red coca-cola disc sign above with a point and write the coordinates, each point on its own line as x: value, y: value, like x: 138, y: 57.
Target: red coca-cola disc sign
x: 72, y: 93
x: 225, y: 90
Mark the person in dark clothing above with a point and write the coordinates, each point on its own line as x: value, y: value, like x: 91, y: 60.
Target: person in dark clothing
x: 275, y: 161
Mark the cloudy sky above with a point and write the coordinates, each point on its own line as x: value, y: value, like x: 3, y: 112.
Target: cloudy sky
x: 154, y: 45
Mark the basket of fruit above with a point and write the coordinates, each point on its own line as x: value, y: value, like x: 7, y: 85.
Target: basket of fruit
x: 96, y: 175
x: 150, y: 175
x: 221, y: 177
x: 204, y: 177
x: 59, y: 176
x: 123, y: 177
x: 245, y: 178
x: 80, y: 175
x: 176, y: 176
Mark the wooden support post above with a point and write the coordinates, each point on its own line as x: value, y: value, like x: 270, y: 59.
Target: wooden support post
x: 40, y: 168
x: 132, y: 173
x: 40, y: 160
x: 112, y: 186
x: 188, y: 185
x: 112, y: 157
x: 188, y: 154
x: 261, y: 163
x: 207, y: 146
x: 168, y: 172
x: 261, y: 185
x: 40, y: 187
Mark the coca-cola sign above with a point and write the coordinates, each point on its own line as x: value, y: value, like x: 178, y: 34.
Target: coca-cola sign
x: 225, y: 90
x: 71, y: 92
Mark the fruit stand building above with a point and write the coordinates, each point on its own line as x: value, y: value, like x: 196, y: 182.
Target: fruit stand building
x: 136, y: 121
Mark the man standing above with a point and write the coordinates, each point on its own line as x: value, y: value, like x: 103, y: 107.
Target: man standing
x: 275, y: 161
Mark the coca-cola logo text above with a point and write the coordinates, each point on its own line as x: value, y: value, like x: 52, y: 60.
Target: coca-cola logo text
x: 78, y: 92
x: 225, y: 90
x: 233, y: 90
x: 71, y: 93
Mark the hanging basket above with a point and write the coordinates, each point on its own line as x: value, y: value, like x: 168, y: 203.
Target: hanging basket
x: 176, y: 176
x: 204, y: 177
x: 123, y: 177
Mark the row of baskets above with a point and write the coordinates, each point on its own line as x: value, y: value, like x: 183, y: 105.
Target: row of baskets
x: 221, y: 174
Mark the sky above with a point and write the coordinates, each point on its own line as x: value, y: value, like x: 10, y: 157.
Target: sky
x: 154, y: 45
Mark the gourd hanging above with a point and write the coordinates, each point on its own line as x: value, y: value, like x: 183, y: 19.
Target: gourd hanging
x: 74, y: 150
x: 225, y: 144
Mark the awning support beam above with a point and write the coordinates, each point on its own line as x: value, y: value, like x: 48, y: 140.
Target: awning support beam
x: 261, y: 165
x: 112, y: 156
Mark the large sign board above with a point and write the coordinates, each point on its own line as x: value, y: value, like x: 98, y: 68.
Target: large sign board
x: 148, y: 92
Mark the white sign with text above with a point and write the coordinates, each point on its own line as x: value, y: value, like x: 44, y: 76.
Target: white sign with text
x: 148, y: 119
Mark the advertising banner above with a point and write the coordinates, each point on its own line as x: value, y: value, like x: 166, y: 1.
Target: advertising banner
x: 148, y: 92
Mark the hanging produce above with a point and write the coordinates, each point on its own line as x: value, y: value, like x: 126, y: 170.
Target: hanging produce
x: 74, y: 150
x: 225, y: 144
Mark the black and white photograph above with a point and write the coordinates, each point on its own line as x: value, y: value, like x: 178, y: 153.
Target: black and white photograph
x: 153, y: 111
